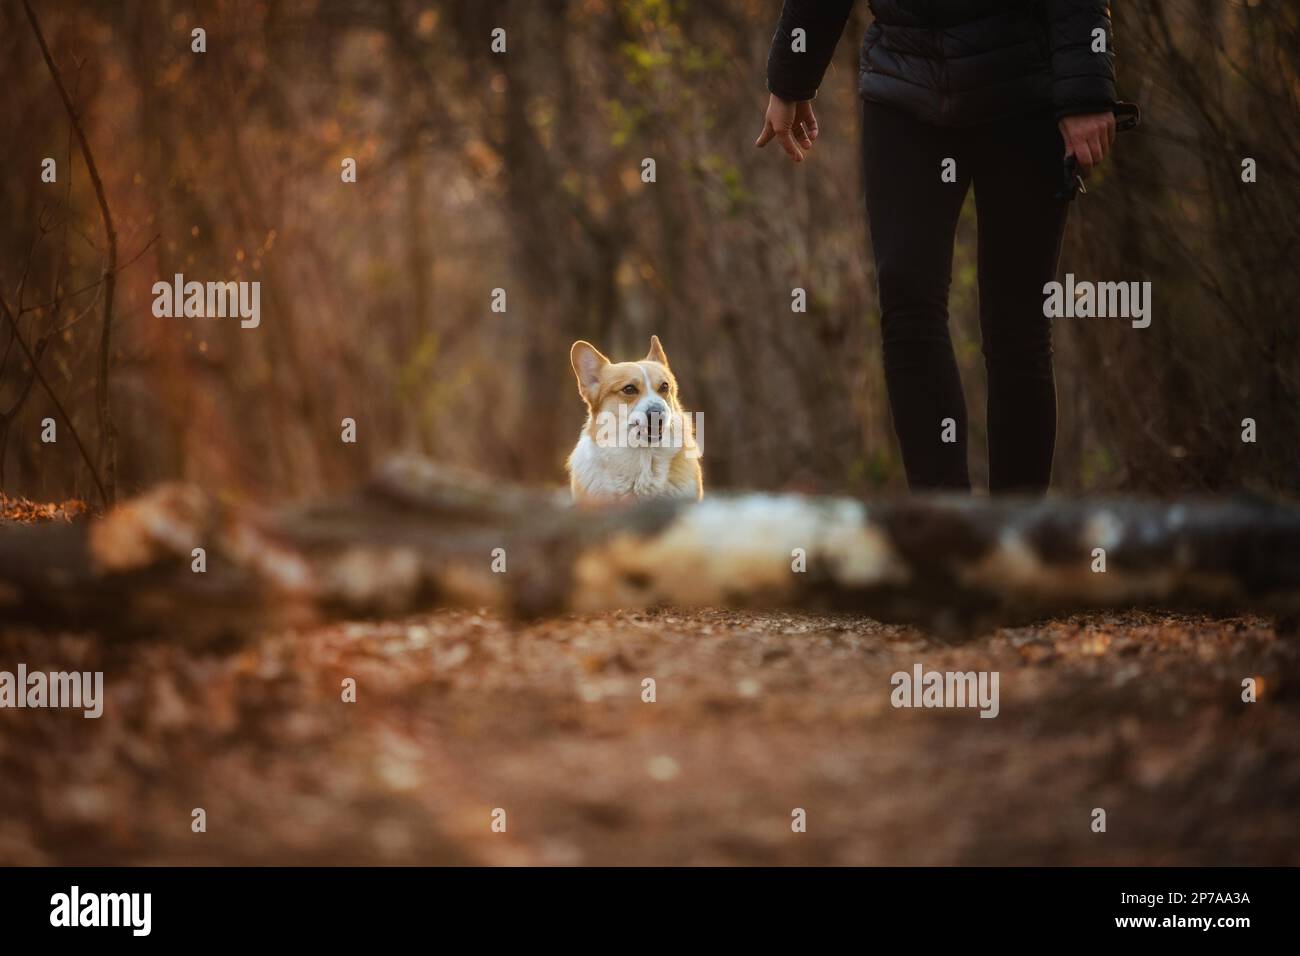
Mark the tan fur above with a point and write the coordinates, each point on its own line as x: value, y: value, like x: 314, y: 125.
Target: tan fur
x: 602, y: 467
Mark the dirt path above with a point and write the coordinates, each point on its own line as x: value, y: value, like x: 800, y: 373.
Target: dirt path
x: 756, y: 714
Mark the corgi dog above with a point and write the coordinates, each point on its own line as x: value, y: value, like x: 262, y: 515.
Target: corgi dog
x: 638, y: 442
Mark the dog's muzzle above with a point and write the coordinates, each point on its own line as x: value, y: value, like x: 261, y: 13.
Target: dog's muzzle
x: 652, y: 422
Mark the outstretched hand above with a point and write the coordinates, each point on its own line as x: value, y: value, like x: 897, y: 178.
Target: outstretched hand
x: 793, y: 125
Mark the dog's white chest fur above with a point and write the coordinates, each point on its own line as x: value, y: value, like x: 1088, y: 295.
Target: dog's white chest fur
x: 619, y: 472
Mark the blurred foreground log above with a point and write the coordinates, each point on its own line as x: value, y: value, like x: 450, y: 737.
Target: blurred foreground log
x: 420, y: 536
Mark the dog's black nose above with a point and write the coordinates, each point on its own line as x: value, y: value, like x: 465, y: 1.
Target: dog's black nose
x: 656, y: 420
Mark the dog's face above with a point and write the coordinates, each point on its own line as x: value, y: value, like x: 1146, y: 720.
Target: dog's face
x: 632, y: 404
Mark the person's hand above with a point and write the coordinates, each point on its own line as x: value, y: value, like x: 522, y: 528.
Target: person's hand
x: 1088, y: 137
x: 791, y: 124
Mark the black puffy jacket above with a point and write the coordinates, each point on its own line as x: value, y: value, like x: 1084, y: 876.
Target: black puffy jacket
x: 957, y: 62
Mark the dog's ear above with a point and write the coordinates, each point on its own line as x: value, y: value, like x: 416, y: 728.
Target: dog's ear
x: 656, y: 353
x: 587, y: 365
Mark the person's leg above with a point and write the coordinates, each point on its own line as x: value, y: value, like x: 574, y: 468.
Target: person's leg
x: 913, y: 217
x: 1017, y: 174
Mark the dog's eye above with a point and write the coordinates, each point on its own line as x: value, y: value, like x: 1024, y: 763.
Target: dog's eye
x: 629, y: 389
x: 663, y: 389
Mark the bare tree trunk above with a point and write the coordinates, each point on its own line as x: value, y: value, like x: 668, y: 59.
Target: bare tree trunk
x: 107, y: 431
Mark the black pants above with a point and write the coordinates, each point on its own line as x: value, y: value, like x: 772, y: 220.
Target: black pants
x: 1016, y: 169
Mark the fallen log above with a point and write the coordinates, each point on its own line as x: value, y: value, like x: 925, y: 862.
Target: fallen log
x: 421, y: 536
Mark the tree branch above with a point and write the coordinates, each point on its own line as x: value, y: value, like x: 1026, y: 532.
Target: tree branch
x: 34, y: 360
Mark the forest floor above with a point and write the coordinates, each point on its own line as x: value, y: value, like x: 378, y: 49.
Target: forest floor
x: 756, y: 714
